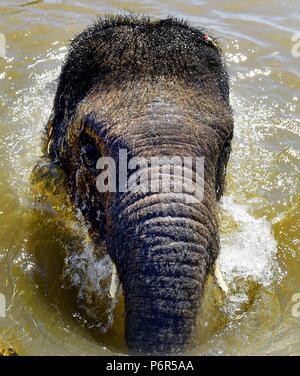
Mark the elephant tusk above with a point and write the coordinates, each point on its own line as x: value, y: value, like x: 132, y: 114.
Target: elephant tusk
x: 49, y: 146
x: 219, y: 278
x: 115, y: 282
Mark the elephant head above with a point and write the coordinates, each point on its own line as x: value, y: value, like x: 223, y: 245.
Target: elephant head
x: 154, y: 89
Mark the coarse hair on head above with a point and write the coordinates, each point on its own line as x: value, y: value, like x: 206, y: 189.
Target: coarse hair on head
x: 131, y: 47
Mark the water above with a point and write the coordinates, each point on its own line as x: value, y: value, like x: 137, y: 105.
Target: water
x: 51, y: 314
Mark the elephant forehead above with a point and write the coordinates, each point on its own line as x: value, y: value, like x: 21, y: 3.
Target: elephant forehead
x: 164, y: 119
x: 156, y: 135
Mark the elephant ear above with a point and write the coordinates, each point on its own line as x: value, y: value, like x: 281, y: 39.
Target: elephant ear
x: 222, y: 167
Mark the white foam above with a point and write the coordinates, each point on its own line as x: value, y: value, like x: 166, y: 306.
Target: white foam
x: 250, y: 251
x: 87, y: 271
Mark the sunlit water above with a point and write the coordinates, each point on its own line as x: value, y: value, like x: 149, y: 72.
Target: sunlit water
x: 56, y: 288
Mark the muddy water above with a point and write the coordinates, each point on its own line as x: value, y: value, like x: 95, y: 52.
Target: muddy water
x: 56, y: 289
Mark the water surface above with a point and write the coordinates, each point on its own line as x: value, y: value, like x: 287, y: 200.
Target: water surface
x: 55, y: 287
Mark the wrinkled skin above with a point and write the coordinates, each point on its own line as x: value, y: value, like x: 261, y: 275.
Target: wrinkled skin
x: 153, y: 88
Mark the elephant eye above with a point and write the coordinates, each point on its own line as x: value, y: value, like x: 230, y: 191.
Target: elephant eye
x: 89, y: 155
x: 89, y: 152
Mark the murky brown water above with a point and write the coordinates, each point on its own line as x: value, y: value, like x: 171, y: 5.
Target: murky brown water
x: 260, y: 257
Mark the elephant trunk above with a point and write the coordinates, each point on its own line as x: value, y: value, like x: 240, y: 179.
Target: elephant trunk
x: 163, y: 246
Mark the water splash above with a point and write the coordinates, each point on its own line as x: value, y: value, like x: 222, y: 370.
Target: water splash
x: 91, y: 276
x: 28, y: 115
x: 250, y: 250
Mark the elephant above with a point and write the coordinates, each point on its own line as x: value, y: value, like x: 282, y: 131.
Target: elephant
x: 152, y: 87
